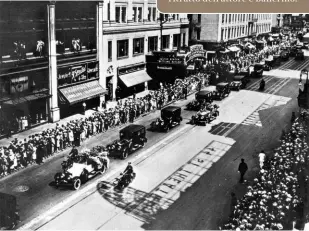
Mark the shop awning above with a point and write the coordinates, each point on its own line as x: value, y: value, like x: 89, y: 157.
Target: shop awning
x: 27, y: 98
x: 234, y: 49
x: 135, y: 78
x: 81, y: 92
x: 250, y: 46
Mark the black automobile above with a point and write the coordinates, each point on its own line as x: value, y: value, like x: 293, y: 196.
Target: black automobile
x: 258, y: 70
x: 299, y: 55
x: 132, y: 138
x: 201, y: 98
x: 170, y: 117
x: 293, y: 51
x: 222, y: 90
x: 239, y: 82
x: 277, y: 60
x: 285, y: 55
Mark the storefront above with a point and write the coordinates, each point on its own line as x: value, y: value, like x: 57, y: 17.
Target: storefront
x: 79, y: 85
x: 133, y: 79
x: 195, y: 59
x: 165, y: 67
x: 24, y: 99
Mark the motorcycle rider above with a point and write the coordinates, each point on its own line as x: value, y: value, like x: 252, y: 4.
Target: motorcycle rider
x: 73, y: 154
x: 128, y: 172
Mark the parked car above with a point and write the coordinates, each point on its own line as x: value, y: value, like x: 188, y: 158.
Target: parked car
x: 222, y: 90
x: 239, y: 82
x: 170, y: 117
x: 258, y: 70
x: 132, y: 138
x: 300, y: 55
x: 77, y: 173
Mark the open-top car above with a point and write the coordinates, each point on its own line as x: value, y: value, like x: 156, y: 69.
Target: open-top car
x: 205, y: 115
x: 201, y: 97
x: 300, y: 55
x: 170, y: 117
x: 222, y: 90
x: 239, y: 82
x: 132, y: 138
x: 77, y: 172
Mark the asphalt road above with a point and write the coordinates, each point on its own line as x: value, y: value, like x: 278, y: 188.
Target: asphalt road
x: 253, y: 120
x: 178, y: 185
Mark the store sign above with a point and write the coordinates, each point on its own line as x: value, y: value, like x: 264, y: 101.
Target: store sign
x: 19, y: 84
x: 161, y: 67
x: 170, y: 60
x: 196, y: 51
x: 74, y: 74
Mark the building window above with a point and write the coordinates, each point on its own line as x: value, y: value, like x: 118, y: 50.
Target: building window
x: 199, y: 18
x: 184, y: 39
x: 230, y: 17
x: 154, y: 14
x: 222, y: 18
x: 138, y: 46
x: 165, y: 42
x: 110, y: 51
x: 122, y: 48
x: 176, y: 40
x: 108, y: 11
x: 198, y: 34
x: 149, y: 14
x: 153, y: 43
x: 137, y: 14
x: 121, y: 14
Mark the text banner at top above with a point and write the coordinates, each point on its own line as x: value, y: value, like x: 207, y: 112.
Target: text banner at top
x: 233, y: 6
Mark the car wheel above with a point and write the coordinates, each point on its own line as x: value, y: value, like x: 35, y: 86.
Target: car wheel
x: 125, y: 154
x: 102, y: 170
x: 77, y: 183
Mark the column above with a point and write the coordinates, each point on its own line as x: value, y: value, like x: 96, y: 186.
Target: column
x: 52, y: 64
x: 130, y: 48
x: 105, y: 12
x: 100, y: 54
x: 130, y: 11
x: 112, y: 11
x: 171, y: 41
x: 115, y: 77
x: 145, y: 11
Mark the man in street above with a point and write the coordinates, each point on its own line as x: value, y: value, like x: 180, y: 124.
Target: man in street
x: 185, y: 92
x: 242, y: 168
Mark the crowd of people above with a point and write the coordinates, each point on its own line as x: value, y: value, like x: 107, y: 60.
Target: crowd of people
x: 37, y: 147
x: 274, y: 200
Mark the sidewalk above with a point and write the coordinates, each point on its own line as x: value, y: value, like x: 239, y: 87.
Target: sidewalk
x: 25, y: 134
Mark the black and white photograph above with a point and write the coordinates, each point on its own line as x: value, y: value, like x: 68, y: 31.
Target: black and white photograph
x: 116, y: 116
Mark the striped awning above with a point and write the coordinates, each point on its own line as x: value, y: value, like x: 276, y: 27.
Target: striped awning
x: 135, y: 78
x: 81, y: 92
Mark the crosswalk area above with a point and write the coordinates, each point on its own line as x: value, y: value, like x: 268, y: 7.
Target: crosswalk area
x: 273, y: 101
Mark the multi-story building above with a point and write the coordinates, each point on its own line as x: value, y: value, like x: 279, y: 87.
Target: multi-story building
x: 89, y: 48
x: 215, y: 28
x: 130, y: 30
x: 277, y: 20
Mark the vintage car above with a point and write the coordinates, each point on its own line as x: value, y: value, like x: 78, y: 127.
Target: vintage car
x: 285, y: 55
x: 276, y: 60
x: 222, y: 90
x: 305, y: 45
x: 205, y: 115
x: 299, y: 55
x: 170, y: 117
x: 201, y: 97
x: 76, y: 173
x: 257, y: 70
x: 239, y: 82
x: 132, y: 138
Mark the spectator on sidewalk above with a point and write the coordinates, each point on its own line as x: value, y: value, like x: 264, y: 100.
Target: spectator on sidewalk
x: 262, y: 157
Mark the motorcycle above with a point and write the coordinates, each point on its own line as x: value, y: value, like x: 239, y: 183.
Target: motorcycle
x: 124, y: 180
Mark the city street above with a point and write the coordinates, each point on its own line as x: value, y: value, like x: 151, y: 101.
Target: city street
x: 175, y: 170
